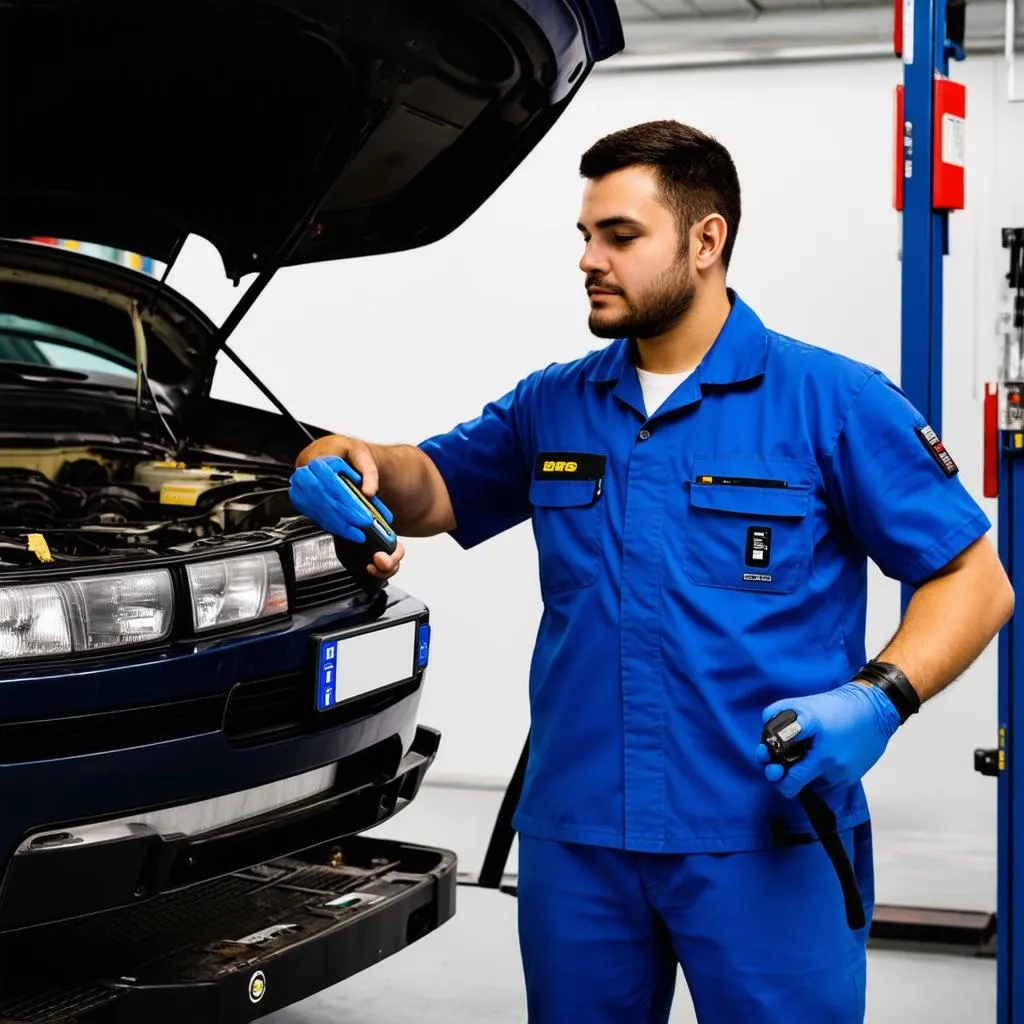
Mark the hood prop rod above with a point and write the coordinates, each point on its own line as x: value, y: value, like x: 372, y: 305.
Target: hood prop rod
x: 171, y: 260
x: 253, y: 292
x: 266, y: 391
x: 244, y: 304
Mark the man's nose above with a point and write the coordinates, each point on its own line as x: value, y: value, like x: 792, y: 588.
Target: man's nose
x: 593, y: 260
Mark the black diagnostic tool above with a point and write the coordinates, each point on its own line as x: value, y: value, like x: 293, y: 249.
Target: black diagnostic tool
x: 781, y: 735
x: 379, y: 537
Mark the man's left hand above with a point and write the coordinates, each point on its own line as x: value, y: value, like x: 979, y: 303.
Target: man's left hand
x: 849, y: 727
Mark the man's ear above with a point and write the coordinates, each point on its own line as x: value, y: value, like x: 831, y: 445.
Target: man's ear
x: 709, y: 235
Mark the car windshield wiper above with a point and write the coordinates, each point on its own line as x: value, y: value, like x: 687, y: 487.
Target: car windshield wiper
x: 22, y: 371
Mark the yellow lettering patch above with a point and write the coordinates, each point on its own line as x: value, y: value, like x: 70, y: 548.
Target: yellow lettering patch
x: 568, y: 465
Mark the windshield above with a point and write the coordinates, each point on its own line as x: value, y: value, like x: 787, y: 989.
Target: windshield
x: 36, y: 343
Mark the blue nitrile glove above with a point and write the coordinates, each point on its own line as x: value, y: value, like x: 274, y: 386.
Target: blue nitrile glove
x: 850, y: 728
x: 317, y: 492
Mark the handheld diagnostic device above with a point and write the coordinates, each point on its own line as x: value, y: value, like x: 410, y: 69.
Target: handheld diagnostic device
x: 379, y: 537
x: 781, y: 735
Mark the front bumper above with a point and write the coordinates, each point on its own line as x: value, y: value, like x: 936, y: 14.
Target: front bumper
x: 78, y: 871
x: 81, y: 791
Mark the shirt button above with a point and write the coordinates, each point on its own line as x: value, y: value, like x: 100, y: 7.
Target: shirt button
x: 644, y: 434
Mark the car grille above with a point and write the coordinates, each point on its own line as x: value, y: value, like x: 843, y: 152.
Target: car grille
x: 338, y: 586
x: 75, y: 735
x: 264, y: 710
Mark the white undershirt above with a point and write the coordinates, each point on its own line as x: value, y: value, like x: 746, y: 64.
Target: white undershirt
x: 656, y: 387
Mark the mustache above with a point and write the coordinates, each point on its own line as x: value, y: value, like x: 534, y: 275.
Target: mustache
x: 594, y: 282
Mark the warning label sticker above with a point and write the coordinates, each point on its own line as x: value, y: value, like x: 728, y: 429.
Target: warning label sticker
x: 953, y: 142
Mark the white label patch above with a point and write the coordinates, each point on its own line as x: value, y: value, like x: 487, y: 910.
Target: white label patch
x: 908, y: 31
x: 756, y: 577
x: 787, y: 732
x: 953, y: 140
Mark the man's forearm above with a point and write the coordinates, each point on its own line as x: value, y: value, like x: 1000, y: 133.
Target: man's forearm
x: 410, y: 485
x: 950, y: 620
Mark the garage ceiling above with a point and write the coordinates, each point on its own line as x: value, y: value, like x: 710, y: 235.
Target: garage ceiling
x: 660, y: 10
x: 734, y: 31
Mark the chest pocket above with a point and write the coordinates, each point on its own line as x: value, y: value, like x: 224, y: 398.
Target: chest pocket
x: 747, y: 524
x: 566, y: 496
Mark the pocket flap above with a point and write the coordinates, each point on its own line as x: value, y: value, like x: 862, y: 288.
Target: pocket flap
x: 563, y: 493
x: 751, y: 500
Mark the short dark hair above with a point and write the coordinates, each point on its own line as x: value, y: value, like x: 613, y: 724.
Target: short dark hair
x: 695, y: 172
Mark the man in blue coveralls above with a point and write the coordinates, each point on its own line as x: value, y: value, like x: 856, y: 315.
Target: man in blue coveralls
x: 704, y: 495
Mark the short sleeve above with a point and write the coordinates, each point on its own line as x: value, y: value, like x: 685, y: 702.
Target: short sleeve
x: 897, y: 488
x: 485, y: 465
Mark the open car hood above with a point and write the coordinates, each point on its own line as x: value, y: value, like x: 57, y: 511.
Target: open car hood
x: 282, y: 131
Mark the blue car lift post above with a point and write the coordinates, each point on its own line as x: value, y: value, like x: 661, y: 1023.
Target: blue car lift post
x: 932, y: 32
x: 1006, y: 432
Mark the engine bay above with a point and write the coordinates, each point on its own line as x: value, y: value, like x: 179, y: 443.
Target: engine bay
x: 65, y: 505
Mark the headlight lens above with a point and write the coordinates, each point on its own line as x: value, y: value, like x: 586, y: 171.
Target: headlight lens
x: 33, y: 622
x: 235, y: 590
x: 118, y: 610
x: 85, y: 614
x: 314, y: 557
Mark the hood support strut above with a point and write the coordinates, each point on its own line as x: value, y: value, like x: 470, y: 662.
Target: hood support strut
x: 306, y: 222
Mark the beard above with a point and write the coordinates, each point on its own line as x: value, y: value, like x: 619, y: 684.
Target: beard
x: 653, y: 312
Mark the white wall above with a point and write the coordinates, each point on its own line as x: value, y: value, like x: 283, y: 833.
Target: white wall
x: 395, y: 348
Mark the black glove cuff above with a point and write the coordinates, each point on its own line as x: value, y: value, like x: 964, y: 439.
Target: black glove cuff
x: 894, y: 684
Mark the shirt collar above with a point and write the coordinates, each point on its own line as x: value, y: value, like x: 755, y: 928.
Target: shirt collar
x: 738, y: 354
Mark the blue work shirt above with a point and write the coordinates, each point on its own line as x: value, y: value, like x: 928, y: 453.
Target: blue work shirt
x: 696, y: 566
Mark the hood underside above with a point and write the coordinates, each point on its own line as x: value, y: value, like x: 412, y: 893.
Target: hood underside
x: 283, y: 131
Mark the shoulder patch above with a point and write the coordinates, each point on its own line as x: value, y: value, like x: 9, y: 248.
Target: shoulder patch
x: 937, y: 450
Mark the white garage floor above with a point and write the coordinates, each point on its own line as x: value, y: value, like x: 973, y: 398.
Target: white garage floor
x: 468, y: 972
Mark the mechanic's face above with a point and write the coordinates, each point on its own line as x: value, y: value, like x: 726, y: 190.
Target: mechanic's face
x: 637, y: 274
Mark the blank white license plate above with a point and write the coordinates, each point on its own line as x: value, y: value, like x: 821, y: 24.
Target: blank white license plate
x: 349, y: 666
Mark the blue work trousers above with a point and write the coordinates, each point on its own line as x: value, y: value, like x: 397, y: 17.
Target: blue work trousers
x: 761, y: 937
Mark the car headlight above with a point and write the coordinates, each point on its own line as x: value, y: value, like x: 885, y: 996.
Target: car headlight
x: 234, y: 590
x: 85, y: 614
x: 315, y: 556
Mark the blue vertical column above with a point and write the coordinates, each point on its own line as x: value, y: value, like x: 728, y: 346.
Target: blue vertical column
x: 1010, y: 905
x: 925, y: 230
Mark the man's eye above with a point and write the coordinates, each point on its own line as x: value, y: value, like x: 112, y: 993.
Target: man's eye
x: 623, y: 239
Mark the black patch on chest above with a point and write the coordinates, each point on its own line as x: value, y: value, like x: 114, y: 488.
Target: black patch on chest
x: 569, y: 466
x: 759, y: 546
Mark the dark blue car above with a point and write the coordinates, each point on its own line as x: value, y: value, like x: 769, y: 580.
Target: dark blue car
x: 201, y: 707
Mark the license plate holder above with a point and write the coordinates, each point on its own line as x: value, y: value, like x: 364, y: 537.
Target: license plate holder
x: 348, y: 664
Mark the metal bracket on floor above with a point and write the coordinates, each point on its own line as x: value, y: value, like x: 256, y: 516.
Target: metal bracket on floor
x: 492, y: 873
x: 968, y: 933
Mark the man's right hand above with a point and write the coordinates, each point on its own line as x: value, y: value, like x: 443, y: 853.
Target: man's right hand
x: 317, y: 492
x: 355, y: 452
x: 415, y: 488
